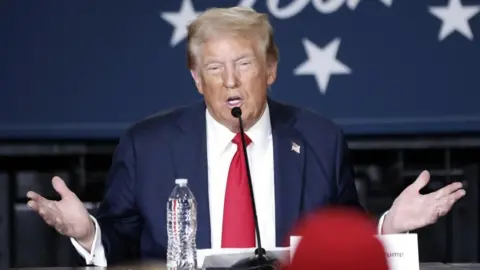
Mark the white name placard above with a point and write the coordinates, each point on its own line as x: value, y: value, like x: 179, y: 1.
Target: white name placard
x: 401, y: 250
x: 294, y: 240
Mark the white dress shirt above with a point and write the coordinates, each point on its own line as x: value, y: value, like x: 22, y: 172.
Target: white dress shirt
x: 260, y: 159
x: 220, y: 153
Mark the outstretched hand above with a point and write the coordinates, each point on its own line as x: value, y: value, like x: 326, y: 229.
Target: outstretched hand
x: 68, y: 215
x: 412, y: 210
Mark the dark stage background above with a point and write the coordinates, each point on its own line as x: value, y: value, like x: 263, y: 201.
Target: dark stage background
x: 401, y: 78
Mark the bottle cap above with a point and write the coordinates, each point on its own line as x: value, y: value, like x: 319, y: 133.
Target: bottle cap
x: 181, y: 181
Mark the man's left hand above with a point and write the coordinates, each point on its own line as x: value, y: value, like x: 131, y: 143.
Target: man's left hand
x: 412, y: 210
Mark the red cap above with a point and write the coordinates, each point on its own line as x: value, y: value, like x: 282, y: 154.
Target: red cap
x: 340, y: 239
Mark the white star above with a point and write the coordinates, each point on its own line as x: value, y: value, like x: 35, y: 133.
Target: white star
x: 180, y: 20
x: 455, y: 17
x: 354, y: 3
x: 387, y: 3
x: 322, y: 63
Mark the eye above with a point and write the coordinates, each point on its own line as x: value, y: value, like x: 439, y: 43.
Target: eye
x: 213, y: 67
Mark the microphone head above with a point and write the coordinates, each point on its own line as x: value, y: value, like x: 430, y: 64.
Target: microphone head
x: 236, y: 112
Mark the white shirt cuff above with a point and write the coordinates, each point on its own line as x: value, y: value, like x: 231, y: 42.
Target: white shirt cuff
x: 97, y: 255
x: 380, y: 223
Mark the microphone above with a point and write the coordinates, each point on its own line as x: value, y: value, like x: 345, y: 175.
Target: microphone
x: 259, y: 260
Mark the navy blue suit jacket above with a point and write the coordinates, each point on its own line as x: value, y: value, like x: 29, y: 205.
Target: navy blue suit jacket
x: 156, y: 151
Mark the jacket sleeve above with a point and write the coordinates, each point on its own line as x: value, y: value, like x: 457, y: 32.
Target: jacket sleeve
x: 118, y: 216
x: 346, y: 189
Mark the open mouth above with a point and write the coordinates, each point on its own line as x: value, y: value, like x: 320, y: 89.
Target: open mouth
x: 234, y: 102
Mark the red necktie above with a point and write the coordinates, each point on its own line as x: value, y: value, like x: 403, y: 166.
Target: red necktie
x: 238, y: 223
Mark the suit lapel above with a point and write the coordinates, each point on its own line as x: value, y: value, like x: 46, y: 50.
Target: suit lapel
x: 289, y: 158
x: 190, y: 161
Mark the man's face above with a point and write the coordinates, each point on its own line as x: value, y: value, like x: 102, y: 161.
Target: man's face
x: 232, y: 73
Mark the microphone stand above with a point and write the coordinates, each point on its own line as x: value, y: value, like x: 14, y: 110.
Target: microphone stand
x: 259, y: 261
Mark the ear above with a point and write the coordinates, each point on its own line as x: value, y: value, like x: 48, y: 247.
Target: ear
x: 196, y: 79
x: 271, y: 72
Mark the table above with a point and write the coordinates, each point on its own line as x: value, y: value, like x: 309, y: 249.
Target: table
x: 423, y: 266
x: 440, y: 266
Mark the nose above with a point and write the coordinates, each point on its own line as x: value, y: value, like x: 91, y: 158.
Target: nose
x: 230, y: 77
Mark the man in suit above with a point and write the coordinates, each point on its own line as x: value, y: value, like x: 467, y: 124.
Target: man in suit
x: 299, y: 160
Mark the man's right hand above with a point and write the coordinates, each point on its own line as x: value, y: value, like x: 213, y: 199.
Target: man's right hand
x: 68, y: 216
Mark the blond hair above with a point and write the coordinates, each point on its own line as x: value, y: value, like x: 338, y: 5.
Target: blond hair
x: 237, y: 21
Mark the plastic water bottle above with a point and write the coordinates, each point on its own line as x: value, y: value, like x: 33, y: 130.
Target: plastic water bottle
x: 181, y: 227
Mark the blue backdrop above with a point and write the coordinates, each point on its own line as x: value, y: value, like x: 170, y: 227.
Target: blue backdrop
x: 88, y: 69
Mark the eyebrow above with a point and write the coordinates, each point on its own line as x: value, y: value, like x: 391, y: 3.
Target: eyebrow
x: 244, y: 56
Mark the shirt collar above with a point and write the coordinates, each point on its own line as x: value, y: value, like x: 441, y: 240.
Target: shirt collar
x: 221, y: 137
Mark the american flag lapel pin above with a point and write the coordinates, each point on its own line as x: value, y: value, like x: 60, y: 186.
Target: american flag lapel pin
x: 295, y: 148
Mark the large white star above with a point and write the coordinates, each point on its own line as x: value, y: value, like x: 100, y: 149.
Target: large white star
x: 322, y: 63
x: 180, y: 20
x: 455, y: 17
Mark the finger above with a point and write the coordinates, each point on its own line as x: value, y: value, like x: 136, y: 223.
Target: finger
x: 446, y: 203
x: 421, y: 181
x: 50, y: 217
x: 49, y: 213
x: 33, y: 205
x: 60, y: 186
x: 457, y: 195
x: 38, y: 203
x: 35, y: 196
x: 443, y: 210
x: 447, y: 190
x: 44, y: 215
x: 46, y: 211
x: 37, y: 207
